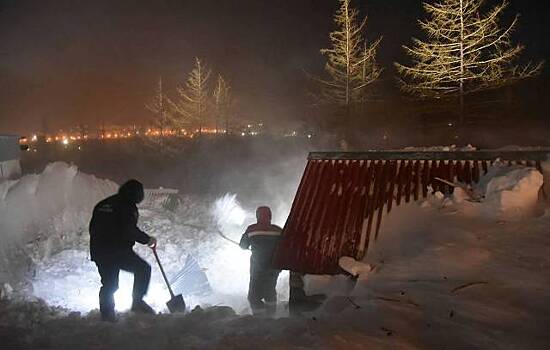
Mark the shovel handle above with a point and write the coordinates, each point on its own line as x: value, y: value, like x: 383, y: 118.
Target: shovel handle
x: 154, y: 248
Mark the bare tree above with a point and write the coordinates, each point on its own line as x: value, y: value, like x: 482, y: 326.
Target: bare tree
x: 192, y: 105
x: 222, y: 103
x: 161, y: 121
x: 351, y: 62
x: 465, y: 51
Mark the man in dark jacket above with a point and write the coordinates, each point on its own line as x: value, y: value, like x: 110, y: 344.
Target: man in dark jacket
x: 113, y: 233
x: 262, y: 237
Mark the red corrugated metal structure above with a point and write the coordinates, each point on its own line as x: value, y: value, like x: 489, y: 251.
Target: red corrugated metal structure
x: 340, y: 202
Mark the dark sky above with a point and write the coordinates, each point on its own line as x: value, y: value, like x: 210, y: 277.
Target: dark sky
x: 65, y: 62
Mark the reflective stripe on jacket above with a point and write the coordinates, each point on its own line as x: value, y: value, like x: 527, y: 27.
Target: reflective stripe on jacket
x: 262, y: 238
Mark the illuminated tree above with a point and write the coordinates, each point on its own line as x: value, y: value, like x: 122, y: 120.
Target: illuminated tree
x: 465, y: 51
x: 222, y: 102
x: 193, y: 101
x: 162, y: 120
x: 351, y: 62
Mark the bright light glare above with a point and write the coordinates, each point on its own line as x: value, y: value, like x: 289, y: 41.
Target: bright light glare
x: 229, y: 271
x: 69, y: 279
x: 65, y: 141
x: 157, y: 295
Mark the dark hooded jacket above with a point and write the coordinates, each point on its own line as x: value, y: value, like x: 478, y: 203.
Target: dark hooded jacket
x: 262, y: 238
x: 113, y: 228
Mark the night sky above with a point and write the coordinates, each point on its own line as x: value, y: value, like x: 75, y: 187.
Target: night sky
x: 70, y: 62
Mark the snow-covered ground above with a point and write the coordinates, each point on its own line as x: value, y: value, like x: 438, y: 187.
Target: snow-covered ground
x: 448, y: 273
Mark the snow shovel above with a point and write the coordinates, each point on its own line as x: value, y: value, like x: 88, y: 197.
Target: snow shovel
x: 176, y: 303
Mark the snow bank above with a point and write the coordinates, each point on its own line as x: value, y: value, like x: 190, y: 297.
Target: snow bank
x: 10, y: 169
x: 513, y: 195
x: 40, y: 213
x: 507, y: 193
x: 58, y: 200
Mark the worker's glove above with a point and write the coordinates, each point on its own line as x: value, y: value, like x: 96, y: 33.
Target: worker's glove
x: 152, y: 242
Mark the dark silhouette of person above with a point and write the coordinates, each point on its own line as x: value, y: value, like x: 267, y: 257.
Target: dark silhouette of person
x: 113, y: 233
x: 262, y: 238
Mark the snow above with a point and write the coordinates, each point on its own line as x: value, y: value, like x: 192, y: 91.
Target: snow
x: 42, y: 213
x: 354, y: 267
x: 507, y: 193
x: 228, y: 213
x: 450, y: 148
x: 513, y: 194
x: 446, y: 273
x: 10, y: 169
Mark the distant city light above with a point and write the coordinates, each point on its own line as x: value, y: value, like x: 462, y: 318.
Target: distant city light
x: 114, y: 132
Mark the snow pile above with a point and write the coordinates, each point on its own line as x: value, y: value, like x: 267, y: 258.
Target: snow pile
x: 41, y: 213
x: 10, y: 169
x: 514, y: 194
x: 354, y: 267
x: 57, y: 200
x: 35, y: 325
x: 506, y: 193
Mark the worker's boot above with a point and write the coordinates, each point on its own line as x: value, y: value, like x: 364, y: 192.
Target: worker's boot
x: 107, y: 307
x: 270, y: 308
x: 109, y: 316
x: 142, y: 307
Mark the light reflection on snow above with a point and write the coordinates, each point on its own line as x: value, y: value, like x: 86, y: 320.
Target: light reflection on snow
x: 157, y: 295
x: 69, y: 279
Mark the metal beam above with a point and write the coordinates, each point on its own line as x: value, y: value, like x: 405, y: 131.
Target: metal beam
x: 527, y: 155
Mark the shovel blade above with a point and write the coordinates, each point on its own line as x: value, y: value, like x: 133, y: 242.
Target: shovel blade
x: 176, y: 304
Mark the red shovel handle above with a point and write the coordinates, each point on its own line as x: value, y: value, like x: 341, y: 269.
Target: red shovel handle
x: 154, y: 249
